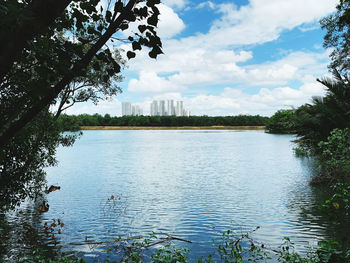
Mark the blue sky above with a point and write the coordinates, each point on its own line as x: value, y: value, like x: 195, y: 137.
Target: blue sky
x: 229, y: 58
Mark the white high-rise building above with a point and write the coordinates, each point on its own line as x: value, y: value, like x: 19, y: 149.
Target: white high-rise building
x: 179, y: 108
x: 158, y: 108
x: 126, y: 109
x: 161, y: 108
x: 131, y: 110
x: 138, y: 111
x: 171, y: 109
x: 154, y: 108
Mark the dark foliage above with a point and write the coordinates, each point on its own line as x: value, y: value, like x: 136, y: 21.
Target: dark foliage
x: 338, y: 36
x: 42, y: 68
x: 317, y: 119
x: 73, y: 122
x: 55, y: 52
x: 283, y: 121
x: 23, y: 159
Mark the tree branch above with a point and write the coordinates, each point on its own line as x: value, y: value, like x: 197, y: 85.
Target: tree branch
x: 43, y: 13
x: 161, y: 240
x: 76, y: 69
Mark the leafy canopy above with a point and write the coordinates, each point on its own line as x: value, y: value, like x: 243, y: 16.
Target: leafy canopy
x: 58, y: 52
x: 338, y: 36
x: 74, y: 45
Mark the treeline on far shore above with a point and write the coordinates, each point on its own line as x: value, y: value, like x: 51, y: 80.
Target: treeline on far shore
x: 74, y: 122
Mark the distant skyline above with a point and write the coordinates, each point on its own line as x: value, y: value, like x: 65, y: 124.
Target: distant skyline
x: 229, y: 58
x: 168, y: 108
x: 157, y: 108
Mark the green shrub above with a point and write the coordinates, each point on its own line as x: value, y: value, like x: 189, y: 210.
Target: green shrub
x: 338, y: 205
x: 335, y: 155
x: 283, y: 121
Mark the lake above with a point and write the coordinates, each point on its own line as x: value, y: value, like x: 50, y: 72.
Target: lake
x: 193, y: 184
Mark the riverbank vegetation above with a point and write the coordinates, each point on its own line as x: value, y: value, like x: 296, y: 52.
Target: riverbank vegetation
x: 322, y: 129
x: 215, y: 127
x: 74, y: 122
x: 230, y: 247
x: 282, y: 122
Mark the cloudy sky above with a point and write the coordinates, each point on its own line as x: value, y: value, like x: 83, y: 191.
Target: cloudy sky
x: 229, y: 57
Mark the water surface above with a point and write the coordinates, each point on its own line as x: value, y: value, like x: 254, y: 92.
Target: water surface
x: 191, y: 184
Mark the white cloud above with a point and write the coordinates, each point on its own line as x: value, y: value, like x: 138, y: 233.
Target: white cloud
x: 266, y: 102
x: 208, y: 4
x: 211, y: 58
x: 169, y: 25
x: 220, y: 56
x: 311, y: 27
x: 285, y: 96
x: 263, y: 21
x: 229, y: 102
x: 206, y: 67
x: 112, y: 107
x: 175, y: 4
x: 150, y: 82
x: 256, y: 23
x: 293, y: 66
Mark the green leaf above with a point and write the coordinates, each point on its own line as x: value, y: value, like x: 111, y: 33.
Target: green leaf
x: 136, y: 45
x: 130, y: 17
x: 130, y: 54
x: 96, y: 66
x: 124, y: 26
x: 116, y: 67
x: 142, y: 28
x: 153, y: 20
x: 151, y: 3
x: 118, y: 7
x: 155, y: 52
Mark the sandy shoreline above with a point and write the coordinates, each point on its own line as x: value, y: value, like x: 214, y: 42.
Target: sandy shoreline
x: 173, y: 128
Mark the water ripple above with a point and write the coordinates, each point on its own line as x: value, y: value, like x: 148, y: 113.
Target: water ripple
x: 194, y: 184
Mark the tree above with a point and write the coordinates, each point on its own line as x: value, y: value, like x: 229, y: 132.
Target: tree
x: 99, y: 83
x: 90, y: 28
x: 318, y: 119
x: 338, y: 36
x: 57, y: 52
x: 23, y: 160
x: 283, y: 121
x: 20, y: 22
x: 335, y: 155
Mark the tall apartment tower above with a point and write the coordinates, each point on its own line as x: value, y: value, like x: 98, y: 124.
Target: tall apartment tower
x: 131, y: 110
x: 161, y: 108
x: 158, y: 108
x: 171, y: 108
x: 126, y: 109
x: 154, y: 108
x: 179, y: 108
x: 138, y: 111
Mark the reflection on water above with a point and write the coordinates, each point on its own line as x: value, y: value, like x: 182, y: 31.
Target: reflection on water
x: 192, y: 184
